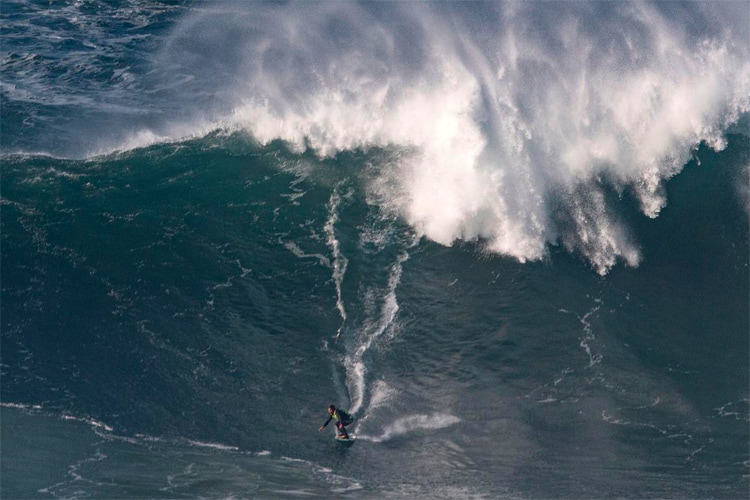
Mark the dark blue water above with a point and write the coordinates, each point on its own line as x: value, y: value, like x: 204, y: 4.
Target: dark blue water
x: 524, y: 271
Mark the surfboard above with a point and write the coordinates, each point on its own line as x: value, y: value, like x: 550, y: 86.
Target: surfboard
x: 342, y: 439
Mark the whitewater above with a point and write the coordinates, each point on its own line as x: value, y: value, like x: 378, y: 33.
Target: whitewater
x: 511, y: 238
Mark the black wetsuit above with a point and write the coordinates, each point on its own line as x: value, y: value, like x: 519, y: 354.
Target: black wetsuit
x: 340, y: 416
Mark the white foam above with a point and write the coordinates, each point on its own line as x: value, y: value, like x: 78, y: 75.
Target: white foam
x: 495, y: 126
x: 354, y: 361
x: 512, y: 119
x: 339, y: 261
x: 90, y: 421
x: 297, y: 251
x: 20, y: 406
x: 382, y: 393
x: 411, y: 423
x: 216, y: 446
x: 588, y: 336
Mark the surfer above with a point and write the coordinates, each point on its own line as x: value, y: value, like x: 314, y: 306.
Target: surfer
x: 342, y: 419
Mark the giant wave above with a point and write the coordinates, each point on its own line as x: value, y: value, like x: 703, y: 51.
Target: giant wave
x: 517, y: 117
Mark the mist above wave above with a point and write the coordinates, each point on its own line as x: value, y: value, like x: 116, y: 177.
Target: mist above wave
x: 515, y: 119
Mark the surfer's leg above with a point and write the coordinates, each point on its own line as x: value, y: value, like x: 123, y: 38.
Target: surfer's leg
x: 342, y: 430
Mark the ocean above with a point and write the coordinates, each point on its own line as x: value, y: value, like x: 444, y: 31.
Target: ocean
x: 512, y: 239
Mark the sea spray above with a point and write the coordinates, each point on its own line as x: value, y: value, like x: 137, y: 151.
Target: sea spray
x: 410, y: 423
x: 505, y: 109
x: 516, y: 116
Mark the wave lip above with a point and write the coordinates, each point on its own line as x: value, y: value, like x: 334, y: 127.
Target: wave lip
x: 497, y: 117
x: 511, y: 121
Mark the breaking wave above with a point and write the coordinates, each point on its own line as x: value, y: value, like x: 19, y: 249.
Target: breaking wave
x: 527, y: 121
x: 518, y: 118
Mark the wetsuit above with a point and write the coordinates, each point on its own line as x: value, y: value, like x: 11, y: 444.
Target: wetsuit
x: 340, y: 416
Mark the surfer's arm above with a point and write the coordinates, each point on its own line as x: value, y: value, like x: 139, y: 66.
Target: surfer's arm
x: 327, y: 422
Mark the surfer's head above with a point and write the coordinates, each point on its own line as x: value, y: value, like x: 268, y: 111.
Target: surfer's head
x: 331, y: 409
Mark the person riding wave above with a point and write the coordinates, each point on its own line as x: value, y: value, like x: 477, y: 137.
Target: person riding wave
x: 342, y: 419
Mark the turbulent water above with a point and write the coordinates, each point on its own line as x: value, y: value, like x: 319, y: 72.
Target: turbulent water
x: 510, y: 238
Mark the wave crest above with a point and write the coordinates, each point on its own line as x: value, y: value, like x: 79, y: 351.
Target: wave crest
x: 499, y: 108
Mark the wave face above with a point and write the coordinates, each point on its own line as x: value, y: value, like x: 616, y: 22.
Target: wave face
x: 217, y: 294
x: 510, y: 238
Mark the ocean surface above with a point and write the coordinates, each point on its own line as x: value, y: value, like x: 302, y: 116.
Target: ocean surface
x: 510, y: 238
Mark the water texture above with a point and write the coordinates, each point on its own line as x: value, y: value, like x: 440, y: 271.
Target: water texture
x: 510, y: 238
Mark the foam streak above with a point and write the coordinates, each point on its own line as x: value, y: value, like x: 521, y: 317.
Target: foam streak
x: 339, y: 261
x: 411, y: 423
